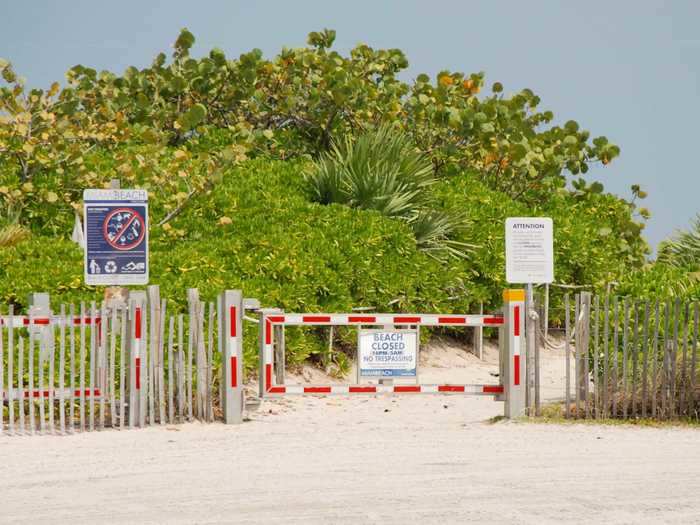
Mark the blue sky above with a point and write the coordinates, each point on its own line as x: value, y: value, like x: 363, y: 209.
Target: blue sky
x: 629, y: 70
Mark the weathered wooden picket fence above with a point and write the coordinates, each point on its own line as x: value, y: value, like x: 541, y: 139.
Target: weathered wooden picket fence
x: 90, y: 367
x: 632, y: 358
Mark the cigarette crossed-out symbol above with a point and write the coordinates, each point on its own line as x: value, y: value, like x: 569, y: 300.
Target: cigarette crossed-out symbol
x: 124, y: 228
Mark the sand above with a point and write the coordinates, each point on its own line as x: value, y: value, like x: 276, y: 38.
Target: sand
x: 375, y: 459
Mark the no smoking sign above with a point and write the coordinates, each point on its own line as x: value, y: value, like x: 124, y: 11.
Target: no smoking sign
x: 116, y: 237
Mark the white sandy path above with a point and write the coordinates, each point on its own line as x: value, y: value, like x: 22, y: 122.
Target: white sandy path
x: 356, y: 460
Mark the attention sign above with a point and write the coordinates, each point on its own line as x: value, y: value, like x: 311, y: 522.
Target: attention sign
x: 116, y: 237
x: 529, y: 250
x: 388, y: 353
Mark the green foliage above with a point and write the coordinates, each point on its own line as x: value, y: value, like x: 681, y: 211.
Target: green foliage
x: 382, y: 170
x: 446, y: 161
x: 683, y: 249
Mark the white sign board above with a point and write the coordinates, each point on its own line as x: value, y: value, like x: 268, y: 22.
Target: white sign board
x: 388, y: 353
x: 529, y: 250
x: 116, y: 237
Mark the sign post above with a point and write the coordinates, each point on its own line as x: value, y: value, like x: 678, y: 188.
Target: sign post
x: 530, y: 259
x: 116, y: 237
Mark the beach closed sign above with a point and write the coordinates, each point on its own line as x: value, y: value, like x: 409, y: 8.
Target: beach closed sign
x: 529, y: 250
x: 388, y: 353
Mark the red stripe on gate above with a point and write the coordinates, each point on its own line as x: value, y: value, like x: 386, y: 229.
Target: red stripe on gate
x: 516, y: 365
x: 137, y: 322
x: 268, y: 377
x: 234, y: 372
x: 232, y: 315
x: 316, y: 319
x: 276, y: 318
x: 268, y: 332
x: 408, y: 388
x: 317, y: 390
x: 516, y: 321
x: 450, y: 388
x: 362, y: 319
x: 362, y: 389
x: 406, y: 320
x: 138, y: 373
x: 493, y: 320
x: 451, y: 320
x: 278, y: 390
x: 492, y: 389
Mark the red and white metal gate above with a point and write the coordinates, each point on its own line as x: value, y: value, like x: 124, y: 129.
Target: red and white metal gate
x: 509, y: 323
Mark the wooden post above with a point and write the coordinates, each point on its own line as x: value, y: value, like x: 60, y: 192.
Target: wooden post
x: 567, y: 352
x: 645, y: 361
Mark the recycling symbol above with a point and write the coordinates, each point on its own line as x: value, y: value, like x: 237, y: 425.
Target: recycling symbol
x: 110, y: 267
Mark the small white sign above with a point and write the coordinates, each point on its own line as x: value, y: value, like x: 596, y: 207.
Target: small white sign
x: 529, y: 250
x: 388, y: 353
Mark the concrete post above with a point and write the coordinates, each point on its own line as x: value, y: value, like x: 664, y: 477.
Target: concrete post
x: 231, y: 343
x: 514, y: 381
x: 137, y: 349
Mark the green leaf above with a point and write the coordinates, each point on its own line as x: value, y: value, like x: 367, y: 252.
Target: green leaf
x: 194, y: 116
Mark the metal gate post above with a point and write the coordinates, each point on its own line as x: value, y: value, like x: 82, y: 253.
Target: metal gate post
x: 266, y: 354
x: 231, y: 342
x: 514, y: 381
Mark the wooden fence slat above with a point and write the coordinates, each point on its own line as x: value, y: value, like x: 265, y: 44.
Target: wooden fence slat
x: 606, y: 357
x: 596, y: 352
x: 62, y: 370
x: 674, y: 356
x: 201, y: 362
x: 30, y: 371
x: 92, y: 363
x: 171, y: 406
x: 161, y: 377
x: 122, y: 372
x: 102, y: 382
x: 81, y: 393
x: 20, y: 385
x: 197, y: 385
x: 645, y: 361
x: 625, y: 357
x: 52, y: 369
x: 567, y: 352
x: 684, y: 361
x: 41, y: 353
x: 692, y: 409
x: 10, y: 374
x: 153, y: 307
x: 655, y: 358
x: 71, y: 396
x: 616, y: 355
x: 190, y: 346
x: 144, y: 376
x: 52, y: 357
x: 210, y: 365
x: 181, y: 368
x: 112, y: 364
x: 666, y: 359
x: 577, y: 354
x: 2, y: 376
x: 635, y: 351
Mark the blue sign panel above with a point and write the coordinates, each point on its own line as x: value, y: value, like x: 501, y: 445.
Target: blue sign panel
x: 116, y: 237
